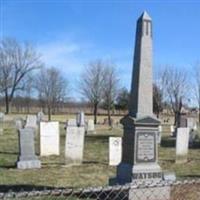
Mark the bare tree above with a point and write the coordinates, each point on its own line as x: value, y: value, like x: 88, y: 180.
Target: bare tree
x: 175, y: 85
x: 110, y: 88
x: 16, y: 62
x: 91, y: 84
x: 51, y: 87
x: 197, y: 85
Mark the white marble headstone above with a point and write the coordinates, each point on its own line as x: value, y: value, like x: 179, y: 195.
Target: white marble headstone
x: 90, y: 125
x: 172, y: 129
x: 49, y: 138
x: 31, y: 121
x: 74, y: 145
x: 115, y: 150
x: 72, y: 122
x: 18, y: 124
x: 182, y: 141
x: 1, y: 116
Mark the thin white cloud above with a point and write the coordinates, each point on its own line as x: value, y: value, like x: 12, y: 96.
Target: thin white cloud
x: 62, y: 54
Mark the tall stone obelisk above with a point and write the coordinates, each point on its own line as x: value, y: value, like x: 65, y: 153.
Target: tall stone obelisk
x: 141, y: 100
x: 139, y: 151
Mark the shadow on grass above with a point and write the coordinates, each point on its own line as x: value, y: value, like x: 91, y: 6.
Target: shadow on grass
x: 168, y: 142
x: 8, y: 166
x: 195, y: 145
x: 97, y: 137
x: 18, y: 188
x: 9, y: 153
x: 95, y: 162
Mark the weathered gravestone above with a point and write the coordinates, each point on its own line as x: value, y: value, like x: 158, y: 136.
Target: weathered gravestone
x: 115, y: 150
x: 182, y: 144
x: 49, y: 138
x: 90, y: 126
x: 18, y: 124
x: 40, y: 117
x: 31, y: 121
x: 27, y: 158
x: 74, y: 145
x: 139, y: 149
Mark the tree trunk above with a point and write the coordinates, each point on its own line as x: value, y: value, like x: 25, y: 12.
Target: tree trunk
x: 95, y: 113
x: 7, y: 103
x: 177, y: 119
x: 49, y: 113
x: 109, y: 117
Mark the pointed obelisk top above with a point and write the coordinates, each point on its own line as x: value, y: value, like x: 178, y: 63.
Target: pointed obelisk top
x: 145, y: 16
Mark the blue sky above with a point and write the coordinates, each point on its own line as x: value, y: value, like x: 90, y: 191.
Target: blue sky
x: 69, y: 34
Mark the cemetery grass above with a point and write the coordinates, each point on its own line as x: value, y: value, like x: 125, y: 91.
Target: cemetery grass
x: 93, y: 172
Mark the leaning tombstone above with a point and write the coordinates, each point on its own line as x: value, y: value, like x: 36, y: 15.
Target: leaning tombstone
x: 27, y: 158
x: 31, y: 121
x: 115, y: 150
x: 74, y: 145
x: 49, y: 138
x: 182, y: 143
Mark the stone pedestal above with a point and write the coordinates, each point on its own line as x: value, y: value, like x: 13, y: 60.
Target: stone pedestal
x: 139, y: 156
x: 27, y: 158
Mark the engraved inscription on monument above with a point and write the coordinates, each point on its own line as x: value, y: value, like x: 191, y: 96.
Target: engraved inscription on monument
x: 146, y: 149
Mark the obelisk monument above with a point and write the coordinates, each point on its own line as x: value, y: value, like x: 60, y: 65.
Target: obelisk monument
x: 139, y: 148
x: 141, y: 100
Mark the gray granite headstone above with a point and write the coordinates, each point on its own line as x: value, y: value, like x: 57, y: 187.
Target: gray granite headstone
x: 31, y: 122
x: 80, y: 119
x: 27, y: 158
